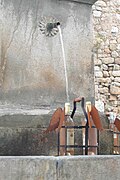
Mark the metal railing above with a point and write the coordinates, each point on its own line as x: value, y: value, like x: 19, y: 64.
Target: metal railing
x: 85, y: 147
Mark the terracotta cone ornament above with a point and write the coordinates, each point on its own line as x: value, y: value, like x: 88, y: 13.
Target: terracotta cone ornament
x: 96, y: 118
x: 56, y: 121
x: 117, y: 123
x: 89, y: 121
x: 58, y: 117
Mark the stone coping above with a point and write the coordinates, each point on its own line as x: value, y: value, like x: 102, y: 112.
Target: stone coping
x: 82, y: 1
x: 59, y: 168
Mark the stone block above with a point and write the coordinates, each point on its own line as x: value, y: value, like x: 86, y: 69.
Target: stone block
x: 97, y: 14
x: 118, y: 47
x: 103, y: 90
x: 112, y: 98
x: 108, y: 60
x: 114, y: 29
x: 114, y: 90
x: 116, y: 73
x: 117, y: 79
x: 116, y: 84
x: 114, y: 54
x: 117, y: 60
x: 28, y: 168
x: 98, y: 74
x: 104, y: 67
x: 113, y: 47
x: 97, y: 62
x: 116, y: 67
x: 100, y: 3
x: 105, y: 74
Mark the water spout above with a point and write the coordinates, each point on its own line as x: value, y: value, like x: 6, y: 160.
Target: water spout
x: 49, y: 26
x: 64, y: 60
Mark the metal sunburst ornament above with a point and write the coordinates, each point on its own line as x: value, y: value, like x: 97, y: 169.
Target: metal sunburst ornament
x: 49, y: 26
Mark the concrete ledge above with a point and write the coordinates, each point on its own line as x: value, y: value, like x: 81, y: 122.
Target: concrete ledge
x: 82, y: 1
x: 59, y: 168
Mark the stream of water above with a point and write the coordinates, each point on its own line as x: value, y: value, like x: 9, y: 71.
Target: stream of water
x: 64, y: 61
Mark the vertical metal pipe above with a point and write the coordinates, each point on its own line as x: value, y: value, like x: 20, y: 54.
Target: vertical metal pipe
x: 98, y: 146
x: 58, y: 143
x: 65, y: 140
x: 86, y: 138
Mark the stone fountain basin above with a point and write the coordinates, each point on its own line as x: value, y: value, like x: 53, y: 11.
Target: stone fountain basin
x: 54, y: 168
x: 21, y: 133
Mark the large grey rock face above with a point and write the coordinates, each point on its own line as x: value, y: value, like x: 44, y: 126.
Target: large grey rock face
x: 32, y: 68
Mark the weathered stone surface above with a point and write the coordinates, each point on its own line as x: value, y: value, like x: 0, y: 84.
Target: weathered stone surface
x: 103, y: 90
x: 117, y: 60
x: 98, y: 8
x: 98, y: 74
x: 104, y: 80
x: 98, y: 62
x: 28, y: 168
x: 104, y: 67
x: 32, y: 65
x: 114, y: 54
x: 113, y: 98
x: 97, y: 13
x: 114, y: 29
x: 118, y: 47
x: 106, y: 142
x: 113, y: 41
x: 108, y: 60
x: 23, y: 135
x: 106, y: 27
x: 118, y: 39
x: 107, y: 42
x: 116, y: 67
x: 114, y: 90
x: 112, y: 78
x: 54, y: 168
x: 117, y: 79
x: 116, y: 73
x: 107, y: 50
x: 97, y: 68
x: 101, y: 108
x: 113, y: 47
x: 116, y: 84
x: 100, y: 3
x: 105, y: 74
x: 84, y: 1
x: 27, y: 141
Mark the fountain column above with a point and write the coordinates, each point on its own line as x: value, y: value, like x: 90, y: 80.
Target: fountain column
x: 32, y: 72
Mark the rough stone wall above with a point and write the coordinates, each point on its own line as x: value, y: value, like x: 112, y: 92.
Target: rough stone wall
x: 106, y: 19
